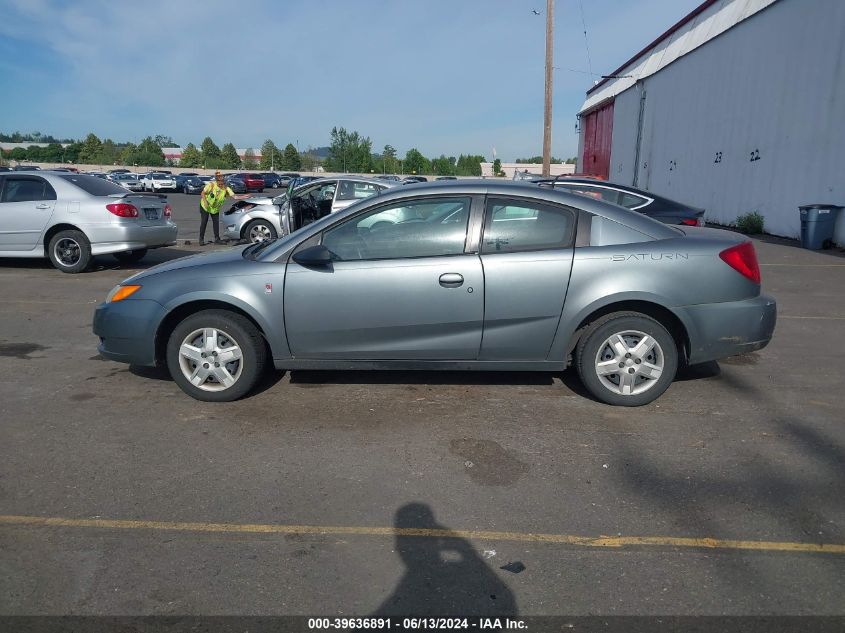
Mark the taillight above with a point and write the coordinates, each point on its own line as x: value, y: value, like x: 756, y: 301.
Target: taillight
x: 123, y: 209
x: 743, y: 259
x: 167, y: 211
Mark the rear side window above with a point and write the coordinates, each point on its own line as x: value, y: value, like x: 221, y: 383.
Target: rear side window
x: 356, y: 190
x: 518, y: 225
x: 18, y: 189
x: 599, y: 193
x: 631, y: 200
x: 93, y: 185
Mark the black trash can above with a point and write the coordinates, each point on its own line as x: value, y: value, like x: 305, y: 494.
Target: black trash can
x: 817, y: 224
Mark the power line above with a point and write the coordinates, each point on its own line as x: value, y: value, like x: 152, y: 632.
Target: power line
x: 586, y: 42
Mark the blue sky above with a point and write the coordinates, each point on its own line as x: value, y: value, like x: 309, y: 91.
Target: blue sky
x: 458, y: 76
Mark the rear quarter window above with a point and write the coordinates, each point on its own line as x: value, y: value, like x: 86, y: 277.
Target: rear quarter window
x: 93, y: 185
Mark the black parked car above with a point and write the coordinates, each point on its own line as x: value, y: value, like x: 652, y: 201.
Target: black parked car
x: 409, y: 180
x: 195, y: 184
x: 236, y: 183
x: 181, y: 178
x: 650, y: 204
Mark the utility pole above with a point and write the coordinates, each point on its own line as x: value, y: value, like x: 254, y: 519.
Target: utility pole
x: 547, y: 118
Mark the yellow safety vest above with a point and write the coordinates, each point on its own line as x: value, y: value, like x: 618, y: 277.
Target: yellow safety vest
x: 213, y: 196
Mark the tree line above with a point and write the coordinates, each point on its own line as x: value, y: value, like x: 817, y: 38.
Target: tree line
x: 349, y: 152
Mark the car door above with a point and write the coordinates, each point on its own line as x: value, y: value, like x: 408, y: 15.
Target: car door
x: 26, y: 204
x: 401, y: 287
x: 526, y: 252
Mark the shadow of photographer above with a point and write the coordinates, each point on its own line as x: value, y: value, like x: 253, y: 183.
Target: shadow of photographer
x: 444, y: 576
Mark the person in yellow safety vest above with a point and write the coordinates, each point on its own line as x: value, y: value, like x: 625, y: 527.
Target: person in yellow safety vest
x: 211, y: 201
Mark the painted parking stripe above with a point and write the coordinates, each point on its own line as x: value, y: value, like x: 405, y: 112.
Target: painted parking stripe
x: 478, y: 535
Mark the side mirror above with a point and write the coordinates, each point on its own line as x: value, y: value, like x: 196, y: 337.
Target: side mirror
x: 314, y: 256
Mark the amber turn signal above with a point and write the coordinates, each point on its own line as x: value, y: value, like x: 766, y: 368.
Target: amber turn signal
x: 121, y: 292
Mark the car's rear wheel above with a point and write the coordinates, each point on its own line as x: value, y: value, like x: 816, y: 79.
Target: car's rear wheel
x: 259, y: 231
x: 626, y: 359
x: 69, y: 251
x: 216, y: 355
x: 130, y: 257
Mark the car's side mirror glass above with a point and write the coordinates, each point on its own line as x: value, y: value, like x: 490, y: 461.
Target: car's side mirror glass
x: 314, y: 256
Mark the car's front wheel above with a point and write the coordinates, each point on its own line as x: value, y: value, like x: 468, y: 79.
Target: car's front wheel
x: 626, y: 359
x: 216, y: 355
x: 259, y: 231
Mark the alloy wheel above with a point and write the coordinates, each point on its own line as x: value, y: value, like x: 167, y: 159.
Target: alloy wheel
x: 67, y: 252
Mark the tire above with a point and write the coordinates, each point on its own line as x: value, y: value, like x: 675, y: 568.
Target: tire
x: 188, y: 344
x: 130, y: 257
x: 259, y: 231
x: 69, y: 251
x: 596, y: 356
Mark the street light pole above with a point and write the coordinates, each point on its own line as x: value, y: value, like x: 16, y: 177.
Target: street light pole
x: 547, y: 118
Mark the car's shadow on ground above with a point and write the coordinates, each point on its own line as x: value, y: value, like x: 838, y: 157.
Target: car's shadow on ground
x: 401, y: 377
x: 269, y: 380
x: 107, y: 262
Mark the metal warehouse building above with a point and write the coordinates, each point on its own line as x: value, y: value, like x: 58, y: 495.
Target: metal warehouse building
x: 738, y: 107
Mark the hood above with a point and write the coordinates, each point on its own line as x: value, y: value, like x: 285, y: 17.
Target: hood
x: 191, y: 261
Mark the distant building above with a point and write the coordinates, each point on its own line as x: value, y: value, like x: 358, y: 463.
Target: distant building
x: 175, y: 153
x: 531, y: 168
x: 739, y: 107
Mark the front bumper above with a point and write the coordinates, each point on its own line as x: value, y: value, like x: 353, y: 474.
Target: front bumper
x: 127, y: 330
x: 719, y: 330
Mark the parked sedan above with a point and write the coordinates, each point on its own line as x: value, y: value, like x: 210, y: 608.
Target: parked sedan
x: 195, y: 184
x: 70, y: 218
x: 258, y: 219
x: 271, y: 180
x: 181, y: 178
x: 467, y: 275
x: 127, y: 180
x: 657, y: 207
x: 235, y: 183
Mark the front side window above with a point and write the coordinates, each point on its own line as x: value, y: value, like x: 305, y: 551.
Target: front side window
x: 432, y: 227
x: 517, y: 225
x: 27, y: 190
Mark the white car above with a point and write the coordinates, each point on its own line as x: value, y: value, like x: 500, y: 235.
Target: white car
x: 159, y: 182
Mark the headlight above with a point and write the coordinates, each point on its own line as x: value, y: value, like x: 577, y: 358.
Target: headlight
x: 119, y: 293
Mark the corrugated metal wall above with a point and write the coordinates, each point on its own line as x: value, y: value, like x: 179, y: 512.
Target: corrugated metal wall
x: 754, y: 120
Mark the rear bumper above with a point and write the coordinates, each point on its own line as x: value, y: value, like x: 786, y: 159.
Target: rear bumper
x: 127, y: 330
x: 116, y: 238
x: 719, y: 330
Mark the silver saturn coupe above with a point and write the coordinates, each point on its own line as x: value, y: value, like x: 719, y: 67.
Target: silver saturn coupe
x: 470, y: 275
x: 70, y: 218
x: 261, y: 218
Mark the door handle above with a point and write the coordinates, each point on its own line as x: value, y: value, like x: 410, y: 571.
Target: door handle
x: 42, y: 206
x: 451, y: 280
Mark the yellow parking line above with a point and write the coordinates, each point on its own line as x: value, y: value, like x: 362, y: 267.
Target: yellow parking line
x: 478, y: 535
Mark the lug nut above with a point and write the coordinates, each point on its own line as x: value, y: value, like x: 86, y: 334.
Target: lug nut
x: 205, y: 365
x: 632, y: 370
x: 628, y: 355
x: 638, y: 361
x: 621, y: 364
x: 217, y: 364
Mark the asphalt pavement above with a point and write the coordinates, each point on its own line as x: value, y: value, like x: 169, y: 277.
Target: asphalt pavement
x: 355, y: 493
